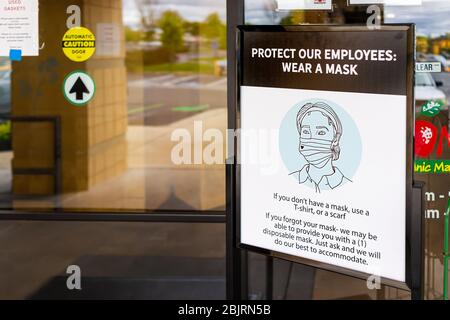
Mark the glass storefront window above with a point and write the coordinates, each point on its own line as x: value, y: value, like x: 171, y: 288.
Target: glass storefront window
x: 433, y: 45
x: 159, y: 69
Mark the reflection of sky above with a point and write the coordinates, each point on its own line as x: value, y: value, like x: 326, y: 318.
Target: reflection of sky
x: 262, y: 12
x: 192, y: 10
x: 431, y: 18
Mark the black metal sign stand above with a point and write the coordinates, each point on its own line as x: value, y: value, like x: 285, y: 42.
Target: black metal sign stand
x: 237, y: 267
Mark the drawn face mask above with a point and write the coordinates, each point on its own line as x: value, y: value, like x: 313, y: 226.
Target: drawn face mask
x: 316, y: 151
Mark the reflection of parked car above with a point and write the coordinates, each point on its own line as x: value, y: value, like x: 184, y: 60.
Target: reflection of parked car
x: 444, y: 62
x: 427, y: 89
x: 422, y: 57
x: 220, y: 68
x: 5, y: 92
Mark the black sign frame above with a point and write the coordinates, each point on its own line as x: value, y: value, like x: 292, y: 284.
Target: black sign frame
x: 414, y: 225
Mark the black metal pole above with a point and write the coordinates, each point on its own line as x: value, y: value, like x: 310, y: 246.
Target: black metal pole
x: 269, y: 278
x: 58, y: 163
x: 236, y: 259
x: 417, y: 243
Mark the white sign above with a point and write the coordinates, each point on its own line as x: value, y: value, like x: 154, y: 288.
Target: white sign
x: 304, y: 4
x: 323, y: 146
x: 312, y: 211
x: 79, y: 88
x: 428, y: 67
x: 19, y: 27
x: 388, y: 2
x: 108, y: 39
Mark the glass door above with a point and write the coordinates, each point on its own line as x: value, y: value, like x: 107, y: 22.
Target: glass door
x: 133, y: 131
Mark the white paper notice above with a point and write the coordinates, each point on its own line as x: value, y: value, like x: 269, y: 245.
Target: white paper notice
x: 389, y: 2
x: 304, y: 4
x: 108, y: 39
x: 19, y: 27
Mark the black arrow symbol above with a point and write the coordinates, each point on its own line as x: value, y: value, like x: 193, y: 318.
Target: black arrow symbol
x: 79, y: 88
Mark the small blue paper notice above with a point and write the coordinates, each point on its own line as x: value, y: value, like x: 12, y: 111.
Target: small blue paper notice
x: 15, y: 55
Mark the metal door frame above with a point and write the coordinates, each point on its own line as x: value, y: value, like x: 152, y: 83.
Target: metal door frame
x: 235, y: 258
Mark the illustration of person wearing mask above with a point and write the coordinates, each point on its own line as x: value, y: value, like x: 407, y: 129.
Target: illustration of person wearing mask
x: 320, y: 132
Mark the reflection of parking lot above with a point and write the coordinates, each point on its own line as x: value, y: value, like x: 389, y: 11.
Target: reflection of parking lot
x: 444, y: 77
x: 161, y: 98
x: 179, y: 81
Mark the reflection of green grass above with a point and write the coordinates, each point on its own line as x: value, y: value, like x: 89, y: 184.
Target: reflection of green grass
x: 185, y: 67
x: 210, y: 59
x: 197, y: 108
x: 144, y: 109
x: 5, y: 131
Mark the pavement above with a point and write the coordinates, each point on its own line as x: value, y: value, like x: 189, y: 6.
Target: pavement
x: 159, y: 99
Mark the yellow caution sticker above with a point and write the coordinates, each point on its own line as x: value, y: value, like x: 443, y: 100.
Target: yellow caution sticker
x: 78, y: 44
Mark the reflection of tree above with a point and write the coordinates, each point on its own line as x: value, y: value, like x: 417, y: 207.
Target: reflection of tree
x: 133, y: 35
x: 214, y: 29
x: 211, y: 26
x: 172, y: 27
x: 193, y: 28
x: 145, y: 8
x: 422, y: 44
x: 147, y: 17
